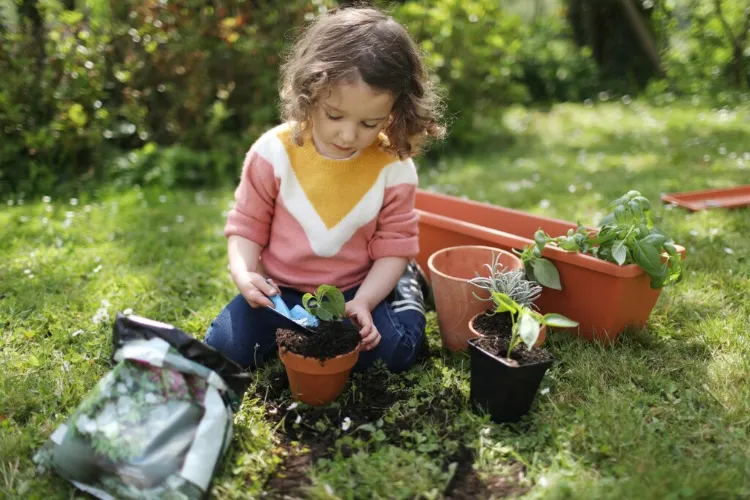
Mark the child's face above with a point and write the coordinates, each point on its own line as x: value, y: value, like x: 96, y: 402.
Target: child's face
x: 349, y: 118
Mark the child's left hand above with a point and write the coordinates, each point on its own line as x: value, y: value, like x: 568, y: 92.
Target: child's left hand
x: 360, y: 314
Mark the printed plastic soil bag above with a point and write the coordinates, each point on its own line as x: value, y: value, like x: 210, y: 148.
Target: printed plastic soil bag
x: 157, y: 425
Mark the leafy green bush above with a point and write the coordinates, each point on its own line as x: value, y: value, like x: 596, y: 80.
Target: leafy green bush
x: 710, y: 45
x: 51, y: 97
x: 194, y: 76
x: 474, y: 48
x: 554, y: 67
x: 121, y: 75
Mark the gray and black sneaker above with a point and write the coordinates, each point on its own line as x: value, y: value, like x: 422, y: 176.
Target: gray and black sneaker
x: 411, y: 290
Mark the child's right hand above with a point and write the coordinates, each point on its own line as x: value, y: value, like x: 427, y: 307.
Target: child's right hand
x: 256, y: 289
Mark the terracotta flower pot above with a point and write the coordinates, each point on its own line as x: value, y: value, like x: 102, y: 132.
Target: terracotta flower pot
x: 601, y: 296
x: 475, y: 333
x: 314, y: 382
x: 450, y: 271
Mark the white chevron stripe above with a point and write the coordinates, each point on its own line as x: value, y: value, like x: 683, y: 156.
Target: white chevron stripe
x: 328, y: 242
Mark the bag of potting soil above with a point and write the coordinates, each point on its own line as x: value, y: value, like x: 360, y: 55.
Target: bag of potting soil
x: 157, y: 425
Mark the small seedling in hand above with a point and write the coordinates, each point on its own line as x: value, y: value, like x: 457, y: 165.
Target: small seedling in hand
x: 526, y: 321
x: 328, y: 303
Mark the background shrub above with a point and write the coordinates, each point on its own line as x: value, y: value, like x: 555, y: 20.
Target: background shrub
x: 189, y: 84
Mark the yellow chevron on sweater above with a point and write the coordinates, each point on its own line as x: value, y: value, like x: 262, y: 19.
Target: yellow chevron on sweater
x: 334, y: 187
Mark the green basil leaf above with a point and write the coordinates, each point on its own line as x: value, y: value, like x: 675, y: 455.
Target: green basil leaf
x: 635, y: 208
x: 605, y: 235
x: 546, y: 274
x: 619, y: 201
x: 541, y: 239
x: 529, y: 269
x: 675, y: 269
x: 671, y: 250
x: 660, y: 278
x: 559, y: 321
x: 528, y: 330
x: 656, y: 240
x: 619, y: 252
x: 607, y: 220
x: 621, y: 214
x: 646, y: 256
x: 643, y: 201
x: 569, y: 244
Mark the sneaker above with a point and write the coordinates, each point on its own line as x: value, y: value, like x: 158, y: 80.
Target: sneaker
x: 411, y: 290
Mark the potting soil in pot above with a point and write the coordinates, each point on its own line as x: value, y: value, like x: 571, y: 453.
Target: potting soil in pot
x: 330, y: 339
x: 498, y: 346
x: 494, y: 324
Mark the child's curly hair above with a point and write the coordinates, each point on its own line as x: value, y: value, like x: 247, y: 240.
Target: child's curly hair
x: 360, y: 42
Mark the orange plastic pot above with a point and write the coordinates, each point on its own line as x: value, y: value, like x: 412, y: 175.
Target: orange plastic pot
x: 450, y: 270
x: 316, y: 382
x: 602, y: 297
x: 475, y: 334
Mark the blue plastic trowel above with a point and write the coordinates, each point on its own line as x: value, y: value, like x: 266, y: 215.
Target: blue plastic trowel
x: 298, y: 318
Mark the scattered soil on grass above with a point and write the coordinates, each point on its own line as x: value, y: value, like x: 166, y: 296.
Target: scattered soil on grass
x: 499, y: 324
x: 498, y: 346
x: 291, y: 478
x: 373, y: 399
x: 330, y: 339
x: 467, y: 485
x: 303, y: 443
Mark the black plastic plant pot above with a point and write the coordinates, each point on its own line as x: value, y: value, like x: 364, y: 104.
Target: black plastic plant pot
x: 505, y: 392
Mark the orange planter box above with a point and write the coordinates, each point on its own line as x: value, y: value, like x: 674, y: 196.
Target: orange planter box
x: 602, y: 297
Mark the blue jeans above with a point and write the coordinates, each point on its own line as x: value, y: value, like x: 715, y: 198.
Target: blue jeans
x: 248, y: 335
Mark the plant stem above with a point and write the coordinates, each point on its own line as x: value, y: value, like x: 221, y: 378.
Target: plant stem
x: 512, y: 335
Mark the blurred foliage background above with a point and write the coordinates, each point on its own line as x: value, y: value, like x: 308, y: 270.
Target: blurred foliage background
x: 174, y: 91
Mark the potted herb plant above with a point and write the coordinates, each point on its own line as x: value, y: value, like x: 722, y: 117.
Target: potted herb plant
x: 613, y: 296
x: 505, y: 377
x: 318, y: 362
x: 451, y: 270
x: 511, y: 283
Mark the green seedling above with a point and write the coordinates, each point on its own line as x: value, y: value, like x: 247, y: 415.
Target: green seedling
x: 526, y: 321
x: 327, y: 304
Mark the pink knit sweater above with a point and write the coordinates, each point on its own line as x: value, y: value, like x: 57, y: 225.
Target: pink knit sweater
x: 319, y: 220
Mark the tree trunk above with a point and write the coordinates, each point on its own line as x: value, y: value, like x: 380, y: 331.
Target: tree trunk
x: 643, y: 34
x: 29, y: 9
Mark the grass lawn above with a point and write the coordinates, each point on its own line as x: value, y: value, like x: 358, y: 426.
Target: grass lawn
x: 663, y: 414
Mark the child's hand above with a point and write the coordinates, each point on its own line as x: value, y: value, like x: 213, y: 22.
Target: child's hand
x: 360, y: 315
x: 256, y: 289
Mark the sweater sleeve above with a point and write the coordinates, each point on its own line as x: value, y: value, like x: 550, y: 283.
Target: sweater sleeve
x: 255, y: 198
x: 397, y: 232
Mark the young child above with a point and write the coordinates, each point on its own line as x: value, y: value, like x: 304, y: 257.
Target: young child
x: 328, y: 197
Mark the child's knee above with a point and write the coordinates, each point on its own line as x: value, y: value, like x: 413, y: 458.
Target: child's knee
x: 403, y: 356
